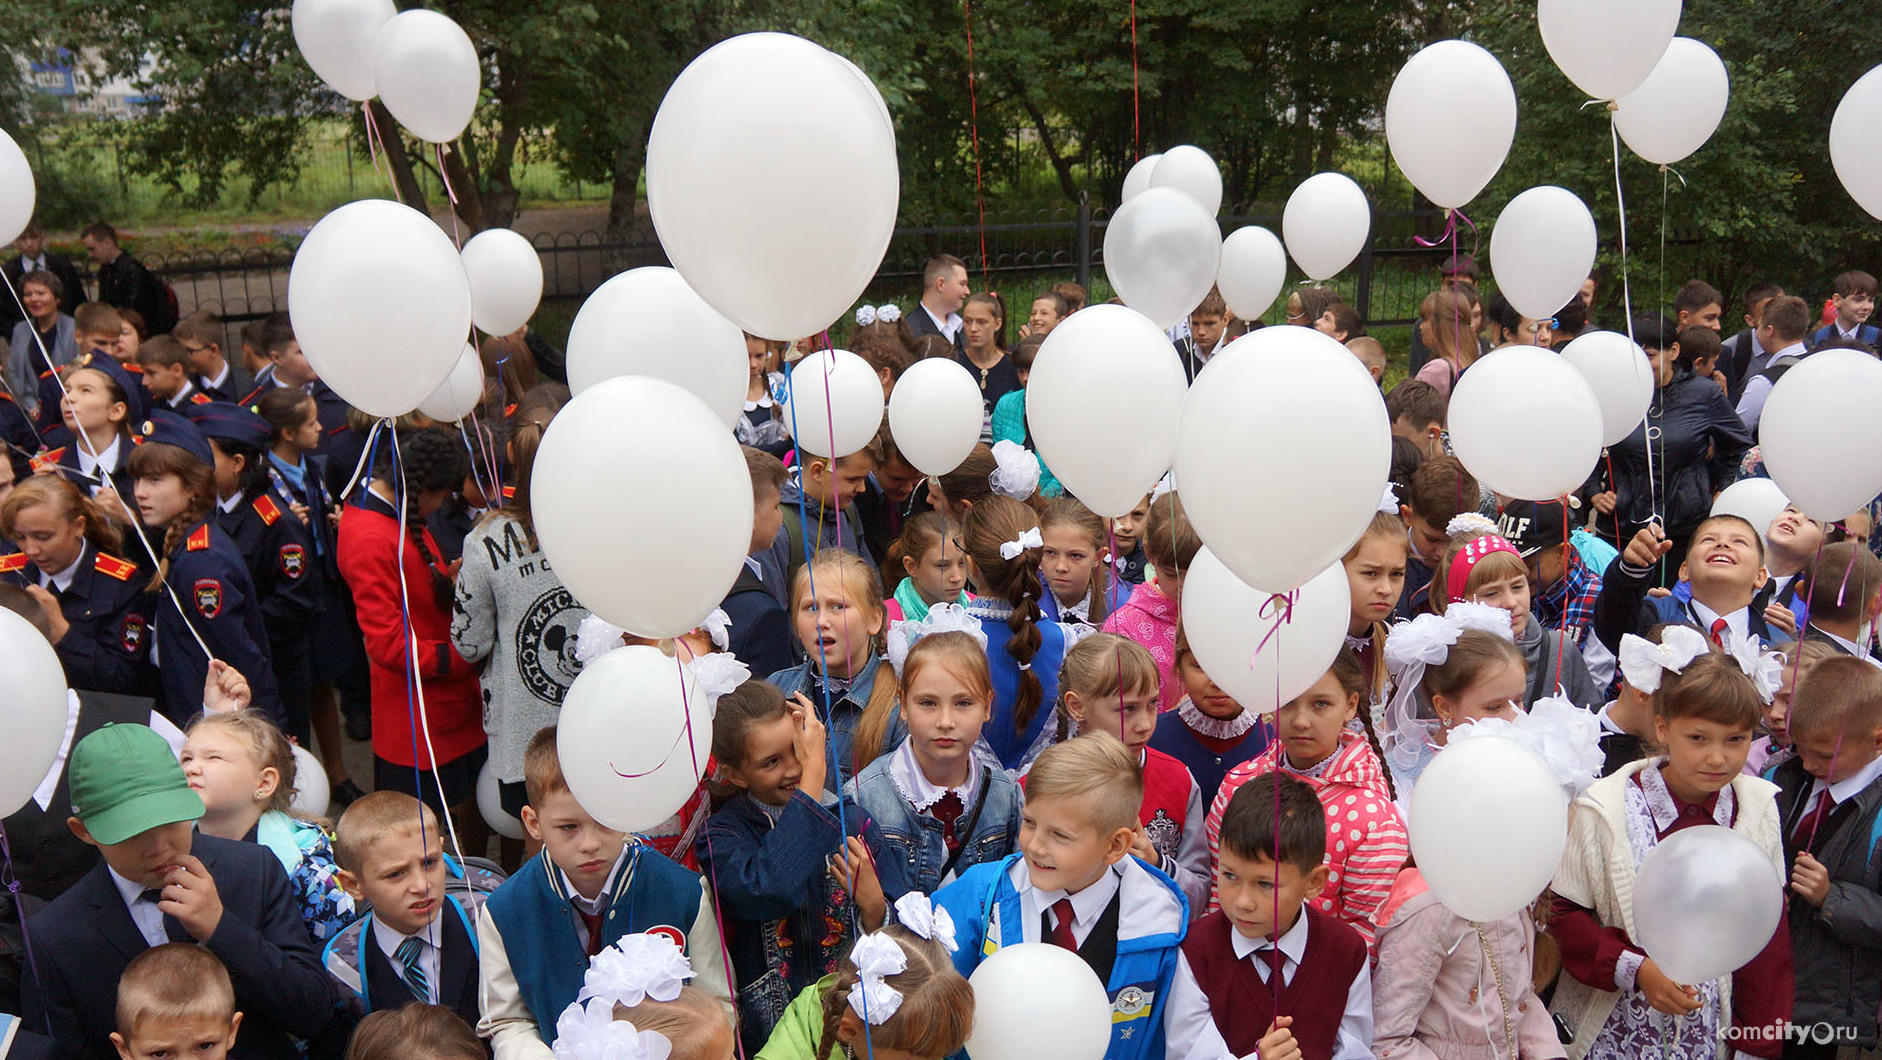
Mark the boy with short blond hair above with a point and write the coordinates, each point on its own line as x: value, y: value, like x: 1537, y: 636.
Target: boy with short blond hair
x: 176, y: 1000
x: 1371, y: 353
x: 586, y: 888
x: 1070, y: 885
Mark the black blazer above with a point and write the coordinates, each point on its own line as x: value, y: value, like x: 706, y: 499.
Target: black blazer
x: 83, y: 941
x: 457, y: 972
x: 920, y: 323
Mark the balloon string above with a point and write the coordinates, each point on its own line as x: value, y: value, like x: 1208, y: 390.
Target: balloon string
x: 12, y: 884
x: 1620, y: 204
x: 1451, y: 217
x: 444, y: 178
x: 375, y: 143
x: 973, y: 104
x: 1280, y: 608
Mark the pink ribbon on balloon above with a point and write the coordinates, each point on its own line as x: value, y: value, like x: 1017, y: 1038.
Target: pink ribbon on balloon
x: 1280, y: 608
x: 1451, y: 217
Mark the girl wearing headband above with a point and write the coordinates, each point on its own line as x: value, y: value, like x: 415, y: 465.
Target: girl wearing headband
x: 1483, y: 567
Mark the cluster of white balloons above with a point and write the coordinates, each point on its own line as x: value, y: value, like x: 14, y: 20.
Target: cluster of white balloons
x: 420, y: 63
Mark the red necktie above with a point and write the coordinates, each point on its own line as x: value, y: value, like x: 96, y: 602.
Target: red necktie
x: 1719, y: 626
x: 1062, y: 929
x: 1807, y: 827
x: 592, y: 921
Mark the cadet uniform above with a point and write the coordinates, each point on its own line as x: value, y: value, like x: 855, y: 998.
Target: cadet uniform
x: 107, y: 647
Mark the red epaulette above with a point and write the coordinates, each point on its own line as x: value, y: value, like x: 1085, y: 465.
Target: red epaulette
x: 13, y: 562
x: 509, y: 493
x: 49, y: 459
x: 5, y: 396
x: 131, y: 367
x: 200, y: 398
x: 267, y: 509
x: 112, y: 566
x: 47, y: 374
x: 198, y: 539
x: 508, y: 411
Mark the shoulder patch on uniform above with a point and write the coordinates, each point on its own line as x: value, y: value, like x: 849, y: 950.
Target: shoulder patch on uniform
x: 200, y: 398
x: 112, y: 566
x: 13, y: 562
x: 267, y: 509
x: 198, y: 539
x: 133, y: 634
x: 207, y: 593
x: 49, y: 459
x: 293, y: 560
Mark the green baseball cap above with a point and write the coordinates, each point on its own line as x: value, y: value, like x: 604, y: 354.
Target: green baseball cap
x: 126, y: 780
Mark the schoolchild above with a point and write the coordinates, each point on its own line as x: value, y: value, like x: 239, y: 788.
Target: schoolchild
x: 1375, y: 576
x: 99, y: 406
x: 933, y: 566
x: 1150, y: 616
x: 1482, y: 567
x: 1080, y: 589
x: 760, y: 634
x: 1208, y: 731
x: 1124, y: 546
x: 175, y: 1000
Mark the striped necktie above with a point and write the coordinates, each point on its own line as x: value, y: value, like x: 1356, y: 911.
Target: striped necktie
x: 410, y: 954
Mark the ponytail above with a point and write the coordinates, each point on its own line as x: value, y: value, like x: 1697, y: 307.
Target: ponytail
x: 990, y: 524
x: 1352, y: 678
x: 69, y: 503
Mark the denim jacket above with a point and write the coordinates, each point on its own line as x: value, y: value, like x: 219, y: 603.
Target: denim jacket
x: 845, y: 713
x: 916, y: 837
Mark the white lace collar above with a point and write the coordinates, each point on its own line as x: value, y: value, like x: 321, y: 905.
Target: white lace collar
x: 916, y: 787
x: 1664, y: 810
x: 1216, y: 728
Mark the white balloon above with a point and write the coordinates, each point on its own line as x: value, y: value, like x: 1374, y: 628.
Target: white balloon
x: 835, y: 406
x: 1542, y: 249
x: 645, y: 539
x: 1821, y: 437
x: 1607, y: 47
x: 1678, y: 107
x: 935, y: 413
x: 1259, y: 648
x: 336, y: 38
x: 1856, y: 154
x: 490, y: 805
x: 36, y: 709
x: 1323, y: 411
x: 1505, y: 395
x: 1094, y: 355
x: 1448, y: 160
x: 460, y: 392
x: 312, y: 796
x: 780, y: 250
x: 1325, y: 224
x: 1253, y: 271
x: 428, y: 75
x: 380, y: 304
x: 18, y: 192
x: 1137, y: 181
x: 1621, y: 377
x: 505, y: 280
x: 1161, y: 251
x: 1487, y: 801
x: 1706, y: 902
x: 647, y: 321
x: 1190, y: 169
x: 875, y: 94
x: 1757, y: 501
x: 633, y: 736
x: 1036, y: 1001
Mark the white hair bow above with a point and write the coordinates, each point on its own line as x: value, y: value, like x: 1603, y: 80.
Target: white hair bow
x: 1644, y: 663
x: 865, y: 315
x: 595, y: 637
x: 1015, y: 471
x: 716, y: 674
x: 635, y: 968
x: 1566, y: 738
x: 916, y: 912
x: 942, y: 618
x: 888, y: 313
x: 876, y: 957
x: 589, y: 1031
x: 1026, y: 539
x: 1388, y: 503
x: 1410, y: 649
x: 872, y: 314
x: 718, y: 626
x: 1469, y: 523
x: 1766, y: 669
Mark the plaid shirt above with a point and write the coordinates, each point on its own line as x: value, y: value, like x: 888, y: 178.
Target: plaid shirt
x: 1568, y: 605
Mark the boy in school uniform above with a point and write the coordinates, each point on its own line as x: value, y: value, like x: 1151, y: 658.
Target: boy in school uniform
x: 1742, y: 356
x: 176, y: 1000
x: 1232, y: 954
x: 827, y: 489
x: 1440, y: 491
x: 419, y: 942
x: 167, y: 375
x: 1845, y: 596
x: 1074, y: 884
x: 585, y: 889
x: 1854, y: 299
x: 1829, y: 796
x: 161, y: 882
x: 201, y: 335
x: 1724, y: 566
x: 760, y: 633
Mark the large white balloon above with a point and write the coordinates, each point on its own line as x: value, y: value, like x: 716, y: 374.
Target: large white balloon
x: 1706, y: 902
x: 647, y: 321
x: 1854, y: 150
x: 1607, y: 47
x: 1821, y: 437
x: 1542, y: 249
x: 1757, y: 501
x: 1036, y: 1001
x: 1678, y: 107
x: 1161, y: 251
x: 380, y: 304
x: 1258, y: 646
x: 633, y: 736
x: 1324, y: 412
x: 1325, y: 224
x: 780, y: 250
x: 490, y: 805
x: 1507, y: 394
x: 18, y: 192
x: 935, y: 413
x: 336, y: 37
x: 1093, y: 356
x: 1448, y: 160
x: 1621, y: 377
x: 460, y: 392
x: 312, y: 795
x: 835, y: 406
x: 643, y: 505
x: 1190, y: 169
x: 36, y: 709
x: 505, y: 280
x: 428, y: 75
x: 1253, y: 271
x: 1137, y: 181
x: 1487, y: 801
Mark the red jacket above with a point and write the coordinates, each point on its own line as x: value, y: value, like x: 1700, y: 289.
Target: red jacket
x: 369, y: 541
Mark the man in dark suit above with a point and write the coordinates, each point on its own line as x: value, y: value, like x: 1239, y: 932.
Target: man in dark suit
x: 124, y: 282
x: 34, y: 257
x: 161, y: 882
x: 944, y: 289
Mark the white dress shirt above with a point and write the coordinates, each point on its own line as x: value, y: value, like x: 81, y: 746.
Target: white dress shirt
x: 599, y: 903
x: 1087, y: 905
x: 429, y: 957
x: 108, y: 458
x: 220, y: 379
x: 144, y: 912
x: 1738, y: 622
x: 62, y: 580
x: 947, y: 327
x: 1758, y: 388
x: 1849, y: 787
